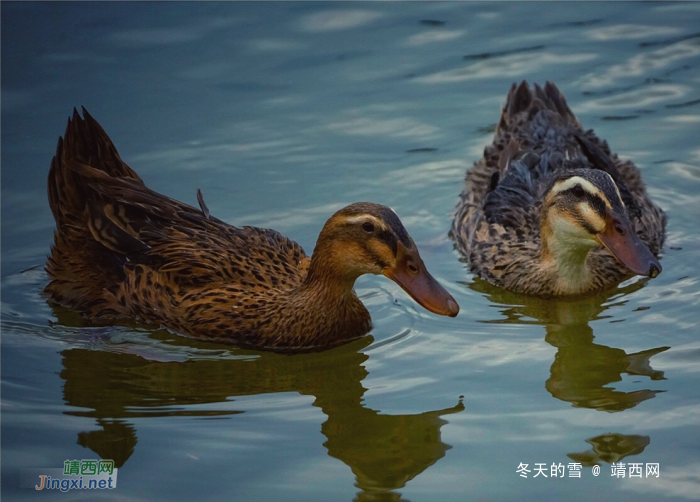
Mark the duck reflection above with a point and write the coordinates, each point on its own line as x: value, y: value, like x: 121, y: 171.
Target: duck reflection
x: 383, y: 451
x: 610, y: 448
x: 582, y: 371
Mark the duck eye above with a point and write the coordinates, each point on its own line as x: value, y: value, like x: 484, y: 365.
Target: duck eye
x: 368, y: 227
x: 578, y: 191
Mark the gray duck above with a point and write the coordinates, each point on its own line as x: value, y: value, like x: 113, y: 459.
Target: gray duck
x: 549, y: 210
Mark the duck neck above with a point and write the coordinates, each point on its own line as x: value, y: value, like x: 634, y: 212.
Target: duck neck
x: 326, y: 276
x: 566, y: 260
x: 324, y: 309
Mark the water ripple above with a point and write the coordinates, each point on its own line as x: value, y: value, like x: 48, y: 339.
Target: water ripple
x: 676, y: 481
x: 434, y: 36
x: 643, y: 64
x: 630, y: 31
x: 337, y: 20
x: 638, y: 98
x: 514, y: 65
x: 148, y: 37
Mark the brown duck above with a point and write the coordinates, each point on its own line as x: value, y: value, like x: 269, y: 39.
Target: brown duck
x: 549, y: 210
x: 124, y: 253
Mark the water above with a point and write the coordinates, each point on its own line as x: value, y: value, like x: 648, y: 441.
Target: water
x: 283, y: 113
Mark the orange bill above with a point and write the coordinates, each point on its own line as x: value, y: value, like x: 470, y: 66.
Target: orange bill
x: 410, y: 273
x: 623, y: 243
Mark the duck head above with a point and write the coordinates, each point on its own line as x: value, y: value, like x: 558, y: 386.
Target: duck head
x: 367, y: 238
x: 582, y: 210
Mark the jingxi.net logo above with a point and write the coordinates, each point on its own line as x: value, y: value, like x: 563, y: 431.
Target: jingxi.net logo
x: 86, y: 474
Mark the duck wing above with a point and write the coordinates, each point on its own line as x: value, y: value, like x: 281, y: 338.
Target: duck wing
x: 598, y: 159
x: 109, y: 223
x: 514, y: 196
x: 187, y: 244
x: 539, y: 120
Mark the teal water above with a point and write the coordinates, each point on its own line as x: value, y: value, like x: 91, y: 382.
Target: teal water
x: 284, y: 112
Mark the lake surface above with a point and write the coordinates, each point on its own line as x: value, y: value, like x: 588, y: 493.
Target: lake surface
x: 284, y: 112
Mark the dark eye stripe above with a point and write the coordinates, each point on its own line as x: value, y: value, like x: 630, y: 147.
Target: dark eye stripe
x: 597, y: 204
x: 577, y: 191
x: 380, y: 262
x: 389, y: 239
x: 395, y: 224
x: 593, y: 199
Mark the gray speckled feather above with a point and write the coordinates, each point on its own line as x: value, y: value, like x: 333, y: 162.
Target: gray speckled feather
x: 498, y: 219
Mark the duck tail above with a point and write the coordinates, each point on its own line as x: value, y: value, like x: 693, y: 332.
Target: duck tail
x: 554, y: 100
x: 522, y: 99
x: 84, y: 142
x: 84, y: 268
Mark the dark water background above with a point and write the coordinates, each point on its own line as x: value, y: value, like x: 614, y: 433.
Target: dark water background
x: 284, y: 112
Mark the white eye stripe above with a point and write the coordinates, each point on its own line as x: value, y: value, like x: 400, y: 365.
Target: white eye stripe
x: 362, y: 218
x: 572, y: 182
x: 619, y: 197
x: 589, y: 187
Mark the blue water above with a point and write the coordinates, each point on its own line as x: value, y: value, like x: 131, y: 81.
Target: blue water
x: 284, y: 112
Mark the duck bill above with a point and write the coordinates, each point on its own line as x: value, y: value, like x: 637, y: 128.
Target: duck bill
x: 410, y: 273
x: 621, y: 240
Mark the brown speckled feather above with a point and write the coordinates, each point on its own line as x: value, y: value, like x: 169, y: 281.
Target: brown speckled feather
x: 498, y: 218
x: 123, y: 252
